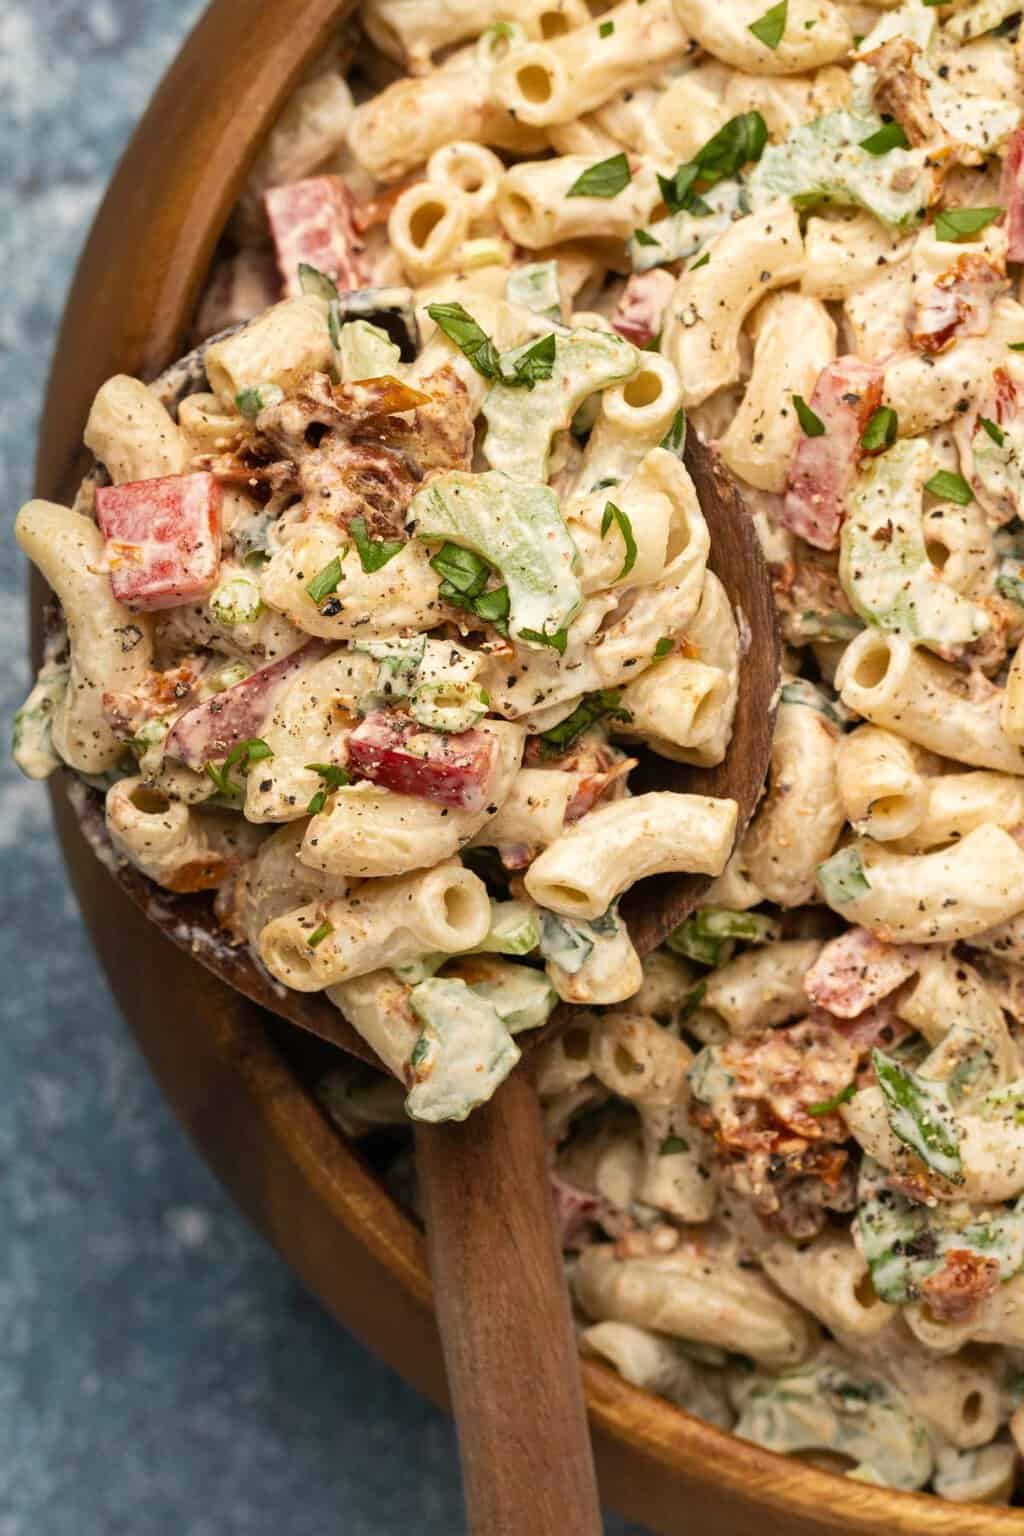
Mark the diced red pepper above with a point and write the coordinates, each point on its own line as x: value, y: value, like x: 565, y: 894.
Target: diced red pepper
x: 313, y: 221
x: 823, y: 467
x: 856, y: 971
x: 163, y: 539
x: 395, y: 752
x: 643, y: 304
x: 1011, y: 196
x: 207, y: 733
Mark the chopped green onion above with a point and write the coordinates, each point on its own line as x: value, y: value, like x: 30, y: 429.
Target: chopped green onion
x: 318, y: 935
x: 994, y: 431
x: 675, y: 438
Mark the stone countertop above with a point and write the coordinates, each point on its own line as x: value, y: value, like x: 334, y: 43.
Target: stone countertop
x: 161, y: 1371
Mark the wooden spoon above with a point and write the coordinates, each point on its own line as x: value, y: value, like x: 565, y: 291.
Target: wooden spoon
x: 499, y: 1288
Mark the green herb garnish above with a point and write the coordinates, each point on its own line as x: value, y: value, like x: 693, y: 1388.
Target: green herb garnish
x: 614, y: 514
x: 994, y: 431
x: 826, y: 1106
x: 957, y: 223
x: 811, y: 425
x: 605, y: 179
x: 880, y: 431
x: 673, y: 1144
x: 769, y: 28
x: 602, y: 705
x: 664, y: 647
x: 373, y: 553
x: 319, y: 934
x: 889, y: 136
x: 326, y: 581
x: 951, y: 487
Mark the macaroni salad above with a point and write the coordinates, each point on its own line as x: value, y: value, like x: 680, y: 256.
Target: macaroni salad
x: 361, y: 628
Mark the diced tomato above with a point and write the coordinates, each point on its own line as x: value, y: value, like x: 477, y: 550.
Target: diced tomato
x: 242, y: 285
x: 958, y: 303
x: 163, y: 539
x: 395, y: 752
x: 207, y: 733
x: 643, y: 304
x: 313, y: 221
x: 1011, y: 195
x: 823, y: 467
x: 855, y: 971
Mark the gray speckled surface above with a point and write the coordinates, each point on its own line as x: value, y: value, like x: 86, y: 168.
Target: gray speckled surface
x: 160, y: 1370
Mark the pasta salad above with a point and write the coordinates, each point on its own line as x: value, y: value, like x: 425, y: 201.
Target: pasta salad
x: 361, y: 629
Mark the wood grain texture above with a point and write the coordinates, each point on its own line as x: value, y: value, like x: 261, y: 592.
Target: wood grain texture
x: 501, y: 1299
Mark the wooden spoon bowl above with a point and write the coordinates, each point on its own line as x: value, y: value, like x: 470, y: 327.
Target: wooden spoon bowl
x: 508, y: 1337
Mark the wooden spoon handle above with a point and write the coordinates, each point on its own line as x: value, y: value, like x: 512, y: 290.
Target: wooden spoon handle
x: 506, y: 1327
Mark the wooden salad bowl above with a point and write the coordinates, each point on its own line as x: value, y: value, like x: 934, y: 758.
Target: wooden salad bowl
x: 239, y: 1078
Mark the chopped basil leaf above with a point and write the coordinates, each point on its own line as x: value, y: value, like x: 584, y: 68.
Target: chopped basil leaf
x: 493, y: 606
x: 881, y: 430
x: 602, y: 705
x: 318, y: 935
x: 994, y: 431
x: 312, y: 280
x: 673, y: 1144
x: 768, y: 29
x: 664, y: 647
x: 811, y: 425
x: 614, y: 514
x: 606, y: 29
x: 889, y: 136
x: 531, y: 366
x: 557, y: 640
x: 317, y: 803
x: 736, y: 143
x: 956, y: 223
x: 463, y: 569
x: 373, y: 553
x: 919, y: 1115
x: 826, y: 1106
x: 255, y: 750
x: 326, y: 581
x: 951, y: 487
x: 701, y: 261
x: 472, y: 341
x: 643, y: 238
x: 336, y: 777
x: 1016, y: 346
x: 251, y: 401
x: 692, y: 1001
x: 675, y: 438
x: 605, y: 179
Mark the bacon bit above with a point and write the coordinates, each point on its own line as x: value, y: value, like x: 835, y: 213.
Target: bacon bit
x: 312, y: 222
x: 158, y: 694
x: 204, y: 874
x: 1011, y: 195
x: 956, y: 1291
x: 207, y: 733
x: 163, y: 539
x: 880, y: 1026
x: 642, y: 306
x: 856, y: 970
x: 599, y: 786
x: 900, y: 92
x: 241, y: 286
x: 776, y: 1075
x: 516, y: 855
x: 823, y: 467
x: 395, y: 752
x: 958, y: 303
